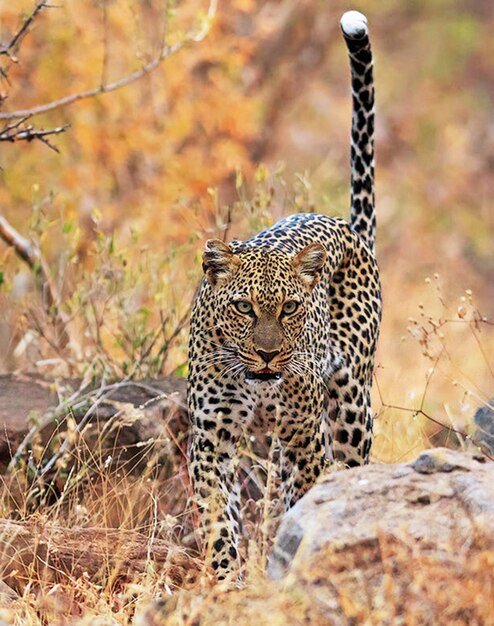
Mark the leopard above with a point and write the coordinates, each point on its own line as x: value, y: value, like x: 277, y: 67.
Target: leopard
x: 283, y: 336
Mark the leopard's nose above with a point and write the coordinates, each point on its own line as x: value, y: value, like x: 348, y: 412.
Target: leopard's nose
x: 268, y: 356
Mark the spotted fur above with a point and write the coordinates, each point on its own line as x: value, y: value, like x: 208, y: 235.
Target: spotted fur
x: 362, y: 214
x: 282, y: 340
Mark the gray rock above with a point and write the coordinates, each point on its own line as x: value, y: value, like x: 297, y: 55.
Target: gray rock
x: 483, y: 432
x: 441, y: 502
x: 130, y: 419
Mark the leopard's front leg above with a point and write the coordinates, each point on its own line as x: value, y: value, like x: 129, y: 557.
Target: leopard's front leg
x: 212, y: 470
x: 306, y: 450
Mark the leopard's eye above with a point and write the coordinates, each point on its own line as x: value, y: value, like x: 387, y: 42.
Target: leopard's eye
x: 290, y: 307
x: 244, y: 307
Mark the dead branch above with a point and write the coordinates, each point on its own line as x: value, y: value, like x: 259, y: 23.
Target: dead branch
x: 31, y: 254
x: 13, y: 45
x: 63, y: 555
x: 23, y: 248
x: 19, y: 132
x: 147, y: 68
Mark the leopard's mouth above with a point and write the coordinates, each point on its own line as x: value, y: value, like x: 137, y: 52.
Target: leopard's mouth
x: 264, y: 374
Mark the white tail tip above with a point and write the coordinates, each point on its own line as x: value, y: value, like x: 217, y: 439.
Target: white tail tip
x: 354, y: 24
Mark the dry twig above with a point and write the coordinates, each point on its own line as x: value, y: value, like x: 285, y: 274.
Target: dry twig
x: 147, y: 68
x: 12, y: 46
x: 20, y: 132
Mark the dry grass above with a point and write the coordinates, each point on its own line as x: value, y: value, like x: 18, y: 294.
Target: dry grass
x: 406, y: 589
x: 411, y: 589
x: 442, y: 371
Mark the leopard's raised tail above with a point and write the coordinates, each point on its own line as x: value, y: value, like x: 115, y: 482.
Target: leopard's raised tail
x: 362, y: 212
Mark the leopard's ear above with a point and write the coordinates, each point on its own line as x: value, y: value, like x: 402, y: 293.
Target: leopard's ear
x: 308, y: 264
x: 218, y: 261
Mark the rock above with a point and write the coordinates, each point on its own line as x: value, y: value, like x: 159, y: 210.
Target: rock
x: 21, y: 397
x: 7, y: 595
x: 442, y: 499
x: 129, y: 418
x: 360, y: 529
x: 446, y: 460
x: 483, y: 431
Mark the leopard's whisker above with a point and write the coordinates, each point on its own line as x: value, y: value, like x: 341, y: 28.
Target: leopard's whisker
x: 215, y: 354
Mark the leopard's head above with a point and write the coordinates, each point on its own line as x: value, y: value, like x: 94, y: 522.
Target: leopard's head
x: 260, y: 299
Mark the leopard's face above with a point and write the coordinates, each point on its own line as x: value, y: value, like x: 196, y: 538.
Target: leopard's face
x: 260, y: 300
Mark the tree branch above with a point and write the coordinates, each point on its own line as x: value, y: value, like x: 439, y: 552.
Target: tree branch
x: 165, y: 52
x: 16, y: 40
x: 23, y: 248
x: 17, y: 132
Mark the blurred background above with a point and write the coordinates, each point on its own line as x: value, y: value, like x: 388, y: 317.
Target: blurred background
x: 228, y: 135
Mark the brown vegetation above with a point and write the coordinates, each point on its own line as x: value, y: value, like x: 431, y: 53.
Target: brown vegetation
x: 39, y: 551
